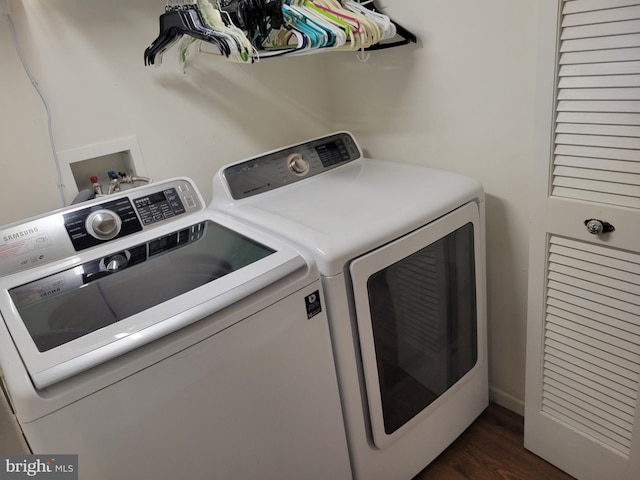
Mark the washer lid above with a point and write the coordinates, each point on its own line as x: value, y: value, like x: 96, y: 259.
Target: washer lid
x: 66, y: 321
x: 354, y: 208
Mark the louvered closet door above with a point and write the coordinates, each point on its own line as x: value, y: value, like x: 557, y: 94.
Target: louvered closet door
x: 582, y: 409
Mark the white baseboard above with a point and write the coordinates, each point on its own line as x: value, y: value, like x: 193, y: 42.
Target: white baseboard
x: 506, y: 400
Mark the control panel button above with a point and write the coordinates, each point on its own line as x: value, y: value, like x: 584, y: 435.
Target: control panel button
x: 161, y: 205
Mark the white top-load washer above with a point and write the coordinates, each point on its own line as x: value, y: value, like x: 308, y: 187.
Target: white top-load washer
x: 156, y: 338
x: 400, y: 250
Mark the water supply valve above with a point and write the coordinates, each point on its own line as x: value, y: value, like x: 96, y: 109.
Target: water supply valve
x: 97, y: 187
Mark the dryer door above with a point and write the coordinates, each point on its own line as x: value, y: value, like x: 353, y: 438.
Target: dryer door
x: 417, y: 315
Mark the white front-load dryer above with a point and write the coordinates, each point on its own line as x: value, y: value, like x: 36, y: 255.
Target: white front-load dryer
x: 401, y: 253
x: 154, y: 338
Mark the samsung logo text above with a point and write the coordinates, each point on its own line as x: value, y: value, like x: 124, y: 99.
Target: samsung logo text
x: 20, y: 234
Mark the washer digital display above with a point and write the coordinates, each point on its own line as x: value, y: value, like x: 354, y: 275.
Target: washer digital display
x: 158, y: 206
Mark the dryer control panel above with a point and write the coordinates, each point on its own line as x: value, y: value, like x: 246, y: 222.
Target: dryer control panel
x: 292, y: 164
x: 61, y: 234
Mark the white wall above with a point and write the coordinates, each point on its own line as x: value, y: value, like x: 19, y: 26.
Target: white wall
x: 88, y: 59
x: 461, y: 100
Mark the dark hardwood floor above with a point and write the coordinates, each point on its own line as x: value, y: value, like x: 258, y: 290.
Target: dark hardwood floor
x: 491, y: 449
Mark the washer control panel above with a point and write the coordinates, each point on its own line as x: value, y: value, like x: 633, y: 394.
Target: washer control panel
x: 60, y: 234
x: 292, y: 164
x: 128, y: 214
x: 99, y: 223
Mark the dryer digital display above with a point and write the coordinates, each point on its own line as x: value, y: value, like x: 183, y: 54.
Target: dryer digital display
x: 333, y: 153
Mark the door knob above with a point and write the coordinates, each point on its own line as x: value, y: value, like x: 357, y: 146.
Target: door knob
x: 596, y: 227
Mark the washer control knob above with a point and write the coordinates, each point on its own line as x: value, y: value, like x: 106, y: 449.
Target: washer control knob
x: 103, y: 224
x: 298, y: 165
x: 116, y: 262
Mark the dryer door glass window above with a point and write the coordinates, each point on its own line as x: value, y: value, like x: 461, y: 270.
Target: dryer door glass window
x: 423, y: 313
x: 417, y: 319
